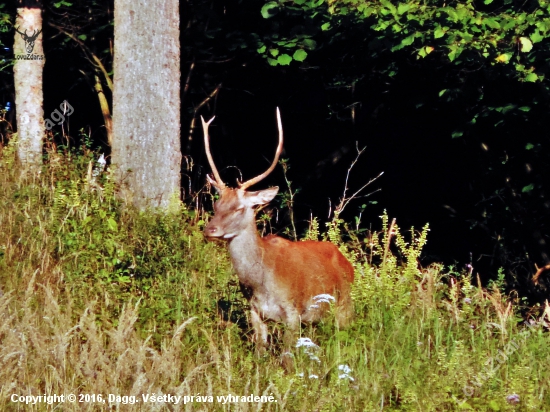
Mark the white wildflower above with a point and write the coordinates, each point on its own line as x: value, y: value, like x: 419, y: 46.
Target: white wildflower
x: 345, y: 375
x: 314, y: 358
x: 102, y: 162
x: 99, y: 167
x: 306, y: 342
x: 324, y: 298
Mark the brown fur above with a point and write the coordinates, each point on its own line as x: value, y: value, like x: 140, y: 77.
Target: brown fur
x: 283, y: 277
x: 309, y: 269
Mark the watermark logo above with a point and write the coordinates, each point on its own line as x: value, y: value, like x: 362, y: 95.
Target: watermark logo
x: 58, y: 117
x: 29, y: 40
x: 29, y: 45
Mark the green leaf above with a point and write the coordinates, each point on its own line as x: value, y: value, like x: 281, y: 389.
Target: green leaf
x: 270, y: 9
x: 274, y: 52
x: 424, y: 51
x: 524, y: 108
x: 272, y: 62
x: 83, y: 37
x: 262, y: 49
x: 487, y: 1
x: 454, y: 52
x: 309, y: 44
x: 299, y: 55
x: 464, y: 405
x: 503, y: 58
x: 536, y: 36
x: 62, y: 3
x: 403, y: 7
x: 526, y: 44
x: 123, y: 279
x: 439, y: 32
x: 461, y: 13
x: 112, y: 225
x: 529, y: 146
x: 442, y: 92
x: 494, y: 405
x: 367, y: 11
x: 531, y: 77
x: 407, y: 41
x: 508, y: 24
x: 505, y: 109
x: 284, y: 59
x: 454, y: 15
x: 528, y: 188
x: 457, y: 133
x: 492, y: 23
x: 325, y: 26
x: 389, y: 5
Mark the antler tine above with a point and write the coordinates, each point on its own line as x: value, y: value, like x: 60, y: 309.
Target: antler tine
x: 255, y: 180
x: 218, y: 179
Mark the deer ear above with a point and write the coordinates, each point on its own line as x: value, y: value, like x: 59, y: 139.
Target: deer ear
x: 261, y: 197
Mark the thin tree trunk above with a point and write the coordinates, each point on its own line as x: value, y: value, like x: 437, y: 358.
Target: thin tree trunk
x: 105, y: 111
x: 27, y: 73
x: 146, y: 102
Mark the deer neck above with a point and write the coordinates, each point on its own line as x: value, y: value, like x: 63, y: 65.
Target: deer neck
x: 247, y: 256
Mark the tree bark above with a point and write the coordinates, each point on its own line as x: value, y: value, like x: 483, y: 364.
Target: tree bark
x: 146, y: 102
x: 27, y: 73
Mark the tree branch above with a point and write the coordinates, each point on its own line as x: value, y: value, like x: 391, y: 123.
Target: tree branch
x: 92, y: 58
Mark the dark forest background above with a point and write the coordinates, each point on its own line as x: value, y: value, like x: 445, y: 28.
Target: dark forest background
x: 463, y: 144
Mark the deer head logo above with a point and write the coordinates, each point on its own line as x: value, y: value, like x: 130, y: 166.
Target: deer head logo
x: 29, y: 40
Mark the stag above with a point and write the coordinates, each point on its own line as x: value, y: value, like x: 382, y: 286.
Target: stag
x: 284, y: 281
x: 29, y: 40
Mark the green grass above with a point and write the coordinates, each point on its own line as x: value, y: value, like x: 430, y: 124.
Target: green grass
x: 96, y: 299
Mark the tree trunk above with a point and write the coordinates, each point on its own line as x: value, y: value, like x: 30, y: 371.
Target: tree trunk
x: 146, y: 102
x: 27, y: 73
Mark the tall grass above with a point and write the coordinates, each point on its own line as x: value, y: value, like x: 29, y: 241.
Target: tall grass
x: 97, y: 299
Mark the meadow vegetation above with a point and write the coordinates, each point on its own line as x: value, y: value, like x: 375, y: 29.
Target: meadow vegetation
x: 98, y: 299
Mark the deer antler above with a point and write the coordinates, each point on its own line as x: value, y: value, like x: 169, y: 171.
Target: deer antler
x: 20, y: 32
x: 218, y: 182
x: 255, y: 180
x: 34, y: 35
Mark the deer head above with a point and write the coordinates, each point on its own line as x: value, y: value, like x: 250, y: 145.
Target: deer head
x: 29, y: 40
x: 234, y: 211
